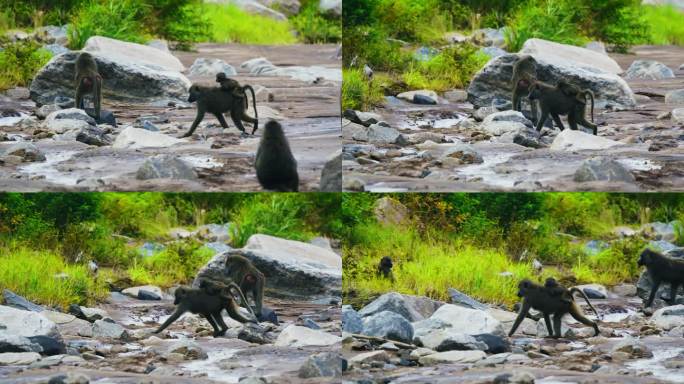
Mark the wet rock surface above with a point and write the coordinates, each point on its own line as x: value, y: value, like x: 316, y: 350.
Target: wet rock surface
x: 461, y: 147
x: 78, y: 153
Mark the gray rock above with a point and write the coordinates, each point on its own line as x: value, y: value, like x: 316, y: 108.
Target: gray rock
x: 569, y: 140
x: 124, y: 79
x: 294, y: 268
x: 493, y: 52
x: 678, y: 115
x: 596, y: 46
x: 662, y: 245
x: 148, y: 295
x: 669, y: 317
x: 459, y: 298
x: 106, y: 116
x: 189, y: 349
x: 390, y: 211
x: 46, y: 110
x: 109, y: 330
x: 19, y: 302
x: 602, y: 169
x: 363, y: 118
x: 388, y: 325
x: 253, y: 333
x: 18, y: 358
x: 210, y: 67
x: 26, y: 323
x: 456, y: 95
x: 351, y: 321
x: 675, y: 97
x: 133, y: 291
x: 93, y: 136
x: 326, y: 364
x: 493, y: 81
x: 419, y: 97
x: 165, y: 167
x: 519, y: 377
x: 331, y: 175
x: 52, y: 34
x: 55, y: 49
x: 413, y: 308
x: 216, y: 232
x: 489, y: 37
x: 448, y: 340
x: 267, y: 315
x: 660, y: 231
x: 452, y: 357
x: 511, y: 127
x: 295, y: 336
x: 495, y: 344
x: 332, y: 7
x: 379, y: 134
x: 594, y: 247
x: 462, y: 319
x: 648, y: 69
x: 15, y: 343
x: 635, y: 348
x: 88, y: 314
x: 262, y: 67
x: 135, y: 138
x: 69, y: 378
x: 25, y: 151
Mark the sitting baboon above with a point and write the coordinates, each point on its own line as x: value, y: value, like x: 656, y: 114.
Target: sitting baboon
x: 385, y: 268
x: 198, y: 301
x: 228, y: 291
x: 239, y: 92
x: 276, y: 167
x: 524, y: 74
x: 87, y: 80
x: 250, y: 280
x: 217, y: 102
x: 662, y: 269
x: 549, y: 302
x: 554, y: 101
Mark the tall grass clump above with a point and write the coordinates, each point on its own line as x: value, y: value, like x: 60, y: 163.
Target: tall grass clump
x: 177, y: 263
x: 230, y: 24
x: 44, y: 277
x: 451, y: 68
x: 358, y: 92
x: 313, y: 27
x: 19, y: 62
x: 119, y: 20
x: 666, y: 24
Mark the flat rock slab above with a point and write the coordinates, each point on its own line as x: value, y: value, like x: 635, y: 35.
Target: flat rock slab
x: 142, y: 54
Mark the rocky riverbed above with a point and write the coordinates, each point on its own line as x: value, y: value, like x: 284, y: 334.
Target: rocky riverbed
x: 469, y: 140
x: 44, y: 147
x: 113, y: 342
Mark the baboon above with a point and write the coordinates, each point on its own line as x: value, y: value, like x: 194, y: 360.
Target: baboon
x: 385, y: 268
x: 240, y: 270
x: 217, y: 102
x: 538, y: 297
x: 524, y: 74
x: 228, y: 291
x: 554, y: 101
x: 276, y: 167
x: 239, y: 92
x: 662, y: 269
x: 198, y: 301
x: 556, y: 290
x: 88, y: 80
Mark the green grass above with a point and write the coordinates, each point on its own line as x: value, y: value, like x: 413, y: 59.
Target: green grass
x: 33, y: 274
x: 19, y: 62
x: 177, y: 263
x: 312, y: 27
x: 359, y: 93
x: 230, y: 24
x: 119, y: 20
x: 667, y: 24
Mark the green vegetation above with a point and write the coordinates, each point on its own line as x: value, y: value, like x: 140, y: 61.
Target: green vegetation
x: 357, y: 93
x: 313, y: 27
x: 55, y: 235
x: 19, y: 62
x: 468, y: 241
x: 230, y: 24
x: 385, y: 34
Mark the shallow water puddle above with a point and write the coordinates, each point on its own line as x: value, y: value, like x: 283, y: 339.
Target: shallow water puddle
x: 486, y: 172
x: 201, y: 161
x: 639, y: 164
x: 655, y: 365
x: 617, y: 317
x: 47, y: 170
x: 210, y: 366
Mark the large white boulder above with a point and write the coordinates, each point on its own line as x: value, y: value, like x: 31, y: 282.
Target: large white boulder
x: 117, y: 50
x: 296, y: 336
x: 135, y: 138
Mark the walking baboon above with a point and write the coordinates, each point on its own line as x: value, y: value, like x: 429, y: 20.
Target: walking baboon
x: 276, y: 167
x: 217, y: 102
x: 198, y: 301
x: 239, y: 92
x: 87, y: 80
x: 662, y: 269
x: 540, y: 298
x: 240, y: 270
x: 524, y: 74
x: 228, y: 291
x: 385, y: 268
x: 554, y: 101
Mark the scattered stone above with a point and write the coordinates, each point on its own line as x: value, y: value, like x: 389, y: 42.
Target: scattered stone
x: 18, y: 358
x: 379, y: 134
x: 675, y: 97
x: 369, y: 357
x: 296, y: 336
x: 465, y: 320
x: 649, y: 70
x: 452, y: 357
x: 569, y: 140
x: 364, y: 118
x: 448, y: 340
x: 634, y: 348
x: 331, y: 175
x: 520, y: 377
x: 254, y: 333
x: 389, y: 211
x: 148, y: 295
x: 459, y: 298
x: 136, y: 138
x: 495, y: 344
x: 351, y: 321
x: 88, y: 314
x: 492, y: 52
x: 19, y: 302
x: 16, y: 343
x: 326, y: 364
x: 627, y: 290
x: 210, y: 67
x: 165, y: 166
x: 26, y: 323
x: 412, y: 308
x: 388, y: 325
x: 69, y: 378
x: 109, y: 330
x: 134, y: 291
x: 678, y: 115
x: 106, y: 116
x: 419, y: 97
x: 268, y: 315
x: 669, y: 317
x: 93, y: 136
x: 456, y: 96
x: 23, y: 151
x: 602, y: 168
x: 353, y: 184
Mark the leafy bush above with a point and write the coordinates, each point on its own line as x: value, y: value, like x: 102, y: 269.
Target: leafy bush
x: 19, y: 62
x: 547, y: 19
x: 177, y: 263
x: 230, y: 24
x: 111, y: 18
x: 312, y: 27
x: 451, y: 68
x: 359, y: 93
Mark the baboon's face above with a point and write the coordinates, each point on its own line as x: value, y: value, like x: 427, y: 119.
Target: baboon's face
x: 194, y: 94
x: 644, y: 258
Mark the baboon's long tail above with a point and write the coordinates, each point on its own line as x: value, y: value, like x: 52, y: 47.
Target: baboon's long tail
x: 256, y: 115
x: 581, y: 293
x: 233, y: 288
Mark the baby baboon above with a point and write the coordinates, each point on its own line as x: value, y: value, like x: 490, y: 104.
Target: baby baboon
x: 88, y: 80
x: 228, y: 291
x: 239, y: 92
x: 524, y: 74
x: 662, y: 269
x: 241, y: 270
x: 217, y: 102
x: 547, y: 301
x: 554, y: 101
x: 385, y: 268
x: 198, y: 301
x: 276, y: 167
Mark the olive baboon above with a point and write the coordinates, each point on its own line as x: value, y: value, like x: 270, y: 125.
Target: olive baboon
x: 87, y: 80
x: 276, y: 167
x: 662, y: 269
x: 538, y: 297
x: 554, y: 101
x: 239, y: 92
x: 217, y: 102
x: 240, y: 270
x: 228, y: 291
x: 198, y: 301
x: 385, y: 268
x: 524, y: 74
